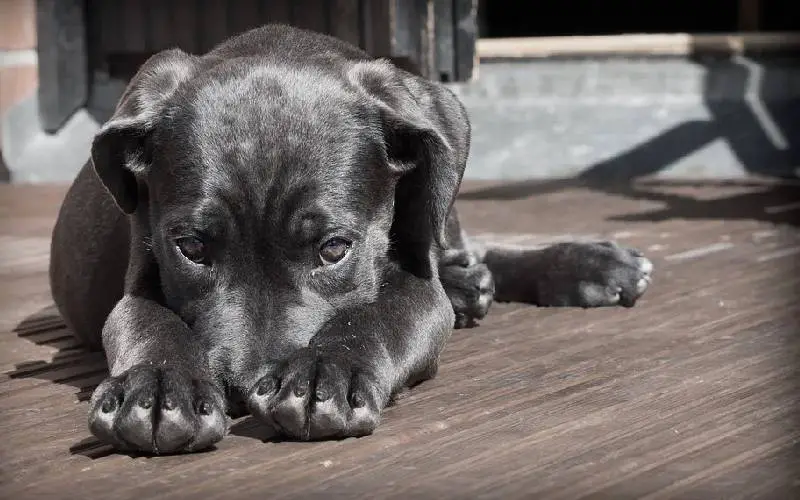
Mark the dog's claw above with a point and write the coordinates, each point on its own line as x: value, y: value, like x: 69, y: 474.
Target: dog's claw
x: 598, y: 275
x: 177, y: 425
x: 340, y: 400
x: 470, y: 290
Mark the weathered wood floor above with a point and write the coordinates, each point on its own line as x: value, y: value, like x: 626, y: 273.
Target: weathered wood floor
x: 694, y: 393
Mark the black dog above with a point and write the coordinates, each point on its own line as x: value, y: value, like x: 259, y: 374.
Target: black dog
x: 270, y: 227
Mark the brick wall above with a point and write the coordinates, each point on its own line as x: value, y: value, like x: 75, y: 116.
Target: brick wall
x: 18, y: 72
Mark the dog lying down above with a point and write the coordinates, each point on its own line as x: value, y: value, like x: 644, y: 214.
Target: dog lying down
x: 270, y: 228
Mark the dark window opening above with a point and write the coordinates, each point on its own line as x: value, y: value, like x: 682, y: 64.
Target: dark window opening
x: 521, y: 18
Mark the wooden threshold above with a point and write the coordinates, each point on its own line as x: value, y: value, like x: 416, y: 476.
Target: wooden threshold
x: 663, y: 44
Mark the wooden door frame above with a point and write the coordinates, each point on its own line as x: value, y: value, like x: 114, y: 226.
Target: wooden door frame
x: 434, y: 38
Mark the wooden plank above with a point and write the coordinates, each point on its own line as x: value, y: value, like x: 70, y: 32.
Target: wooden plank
x: 466, y: 28
x: 120, y: 37
x: 160, y: 26
x: 310, y: 14
x: 692, y: 393
x: 112, y: 21
x: 445, y: 40
x: 345, y: 20
x: 427, y: 22
x: 134, y: 27
x: 184, y: 15
x: 94, y: 34
x: 213, y: 21
x: 677, y: 44
x: 378, y: 29
x: 408, y: 27
x: 276, y: 11
x: 62, y: 60
x: 243, y: 15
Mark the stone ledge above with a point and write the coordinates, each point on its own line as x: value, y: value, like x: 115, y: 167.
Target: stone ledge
x: 602, y: 118
x: 618, y: 118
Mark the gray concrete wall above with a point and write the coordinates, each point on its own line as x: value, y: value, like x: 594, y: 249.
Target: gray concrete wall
x: 603, y: 119
x: 617, y: 118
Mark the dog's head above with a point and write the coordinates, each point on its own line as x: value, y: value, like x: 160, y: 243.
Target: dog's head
x: 275, y: 191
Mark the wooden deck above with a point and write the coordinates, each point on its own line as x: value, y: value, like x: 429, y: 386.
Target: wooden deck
x: 694, y: 393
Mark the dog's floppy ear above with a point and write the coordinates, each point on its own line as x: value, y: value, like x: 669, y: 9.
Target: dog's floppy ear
x: 426, y: 133
x: 120, y: 149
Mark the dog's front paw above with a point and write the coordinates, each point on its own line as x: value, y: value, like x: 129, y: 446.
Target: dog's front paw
x: 316, y: 395
x: 470, y: 288
x: 157, y: 410
x: 594, y: 275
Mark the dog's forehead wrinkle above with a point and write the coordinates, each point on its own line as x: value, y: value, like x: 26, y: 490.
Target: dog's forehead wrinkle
x: 271, y: 89
x: 308, y: 213
x: 262, y: 159
x: 256, y: 129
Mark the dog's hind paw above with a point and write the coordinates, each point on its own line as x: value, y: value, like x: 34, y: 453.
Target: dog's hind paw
x: 598, y: 274
x: 157, y: 410
x: 470, y: 288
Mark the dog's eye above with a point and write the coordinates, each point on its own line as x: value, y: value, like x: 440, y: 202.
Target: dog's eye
x: 193, y: 249
x: 334, y: 250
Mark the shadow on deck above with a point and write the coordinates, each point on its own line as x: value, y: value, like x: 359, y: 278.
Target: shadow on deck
x: 692, y: 392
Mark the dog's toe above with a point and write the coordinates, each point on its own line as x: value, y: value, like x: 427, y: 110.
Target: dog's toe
x: 606, y: 275
x: 470, y: 290
x: 633, y: 274
x: 316, y: 396
x: 644, y: 264
x: 157, y: 411
x: 641, y: 278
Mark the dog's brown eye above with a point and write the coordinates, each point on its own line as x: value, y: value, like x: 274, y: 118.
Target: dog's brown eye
x: 334, y: 250
x: 193, y: 249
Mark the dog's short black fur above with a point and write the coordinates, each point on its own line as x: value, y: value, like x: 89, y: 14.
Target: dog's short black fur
x: 270, y: 227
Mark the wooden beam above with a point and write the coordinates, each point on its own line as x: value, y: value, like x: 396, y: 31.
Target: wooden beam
x: 377, y: 30
x: 679, y: 44
x: 63, y: 63
x: 345, y: 20
x: 466, y: 31
x: 444, y: 30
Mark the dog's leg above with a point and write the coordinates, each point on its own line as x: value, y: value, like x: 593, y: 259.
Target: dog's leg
x: 160, y: 397
x: 573, y: 274
x: 467, y: 281
x: 340, y: 383
x: 88, y: 257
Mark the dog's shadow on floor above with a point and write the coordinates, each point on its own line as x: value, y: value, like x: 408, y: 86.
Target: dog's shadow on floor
x: 71, y: 365
x: 74, y: 366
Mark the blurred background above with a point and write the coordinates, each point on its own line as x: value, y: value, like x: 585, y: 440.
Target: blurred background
x: 611, y: 90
